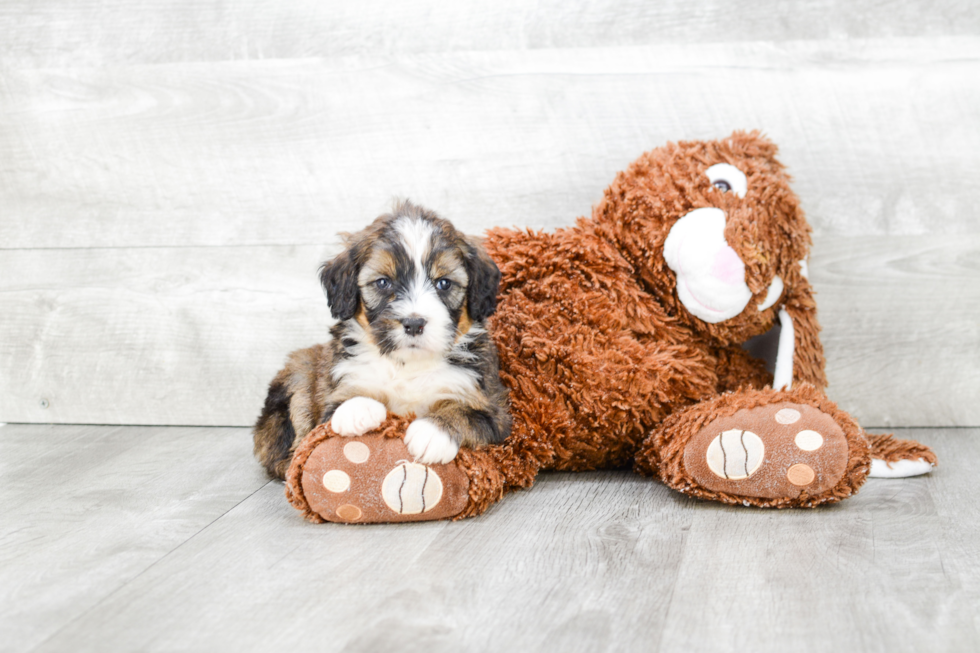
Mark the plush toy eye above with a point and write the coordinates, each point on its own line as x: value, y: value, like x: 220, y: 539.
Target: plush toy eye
x: 727, y: 178
x: 382, y: 284
x: 443, y: 284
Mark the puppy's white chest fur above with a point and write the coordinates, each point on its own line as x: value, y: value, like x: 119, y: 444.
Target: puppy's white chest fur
x: 410, y: 386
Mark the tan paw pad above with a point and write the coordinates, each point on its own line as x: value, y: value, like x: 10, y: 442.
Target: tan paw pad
x: 788, y: 416
x: 336, y: 481
x: 370, y: 478
x: 808, y: 440
x: 800, y: 474
x: 356, y: 452
x: 348, y: 512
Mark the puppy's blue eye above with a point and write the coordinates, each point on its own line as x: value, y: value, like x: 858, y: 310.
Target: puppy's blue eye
x: 443, y: 284
x: 382, y: 284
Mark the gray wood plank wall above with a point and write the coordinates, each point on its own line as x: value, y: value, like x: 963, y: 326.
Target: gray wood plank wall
x: 172, y: 173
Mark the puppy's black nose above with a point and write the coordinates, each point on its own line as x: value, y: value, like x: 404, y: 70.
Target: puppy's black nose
x: 413, y: 325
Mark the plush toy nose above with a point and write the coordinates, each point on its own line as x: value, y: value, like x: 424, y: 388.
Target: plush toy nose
x: 727, y: 266
x: 413, y: 325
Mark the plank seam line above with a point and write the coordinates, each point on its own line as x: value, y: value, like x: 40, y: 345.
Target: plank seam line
x: 148, y: 567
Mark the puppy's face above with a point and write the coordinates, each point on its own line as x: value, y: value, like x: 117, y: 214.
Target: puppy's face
x: 412, y: 282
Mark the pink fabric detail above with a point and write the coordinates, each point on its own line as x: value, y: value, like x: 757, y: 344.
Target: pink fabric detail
x: 728, y: 267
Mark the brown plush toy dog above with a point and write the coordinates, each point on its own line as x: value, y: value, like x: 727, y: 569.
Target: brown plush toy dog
x: 620, y: 339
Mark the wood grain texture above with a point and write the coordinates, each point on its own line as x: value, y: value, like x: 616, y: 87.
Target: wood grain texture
x: 152, y: 336
x: 194, y: 335
x: 879, y: 572
x: 581, y: 562
x: 901, y: 319
x: 171, y: 174
x: 87, y: 32
x: 85, y: 510
x: 878, y: 135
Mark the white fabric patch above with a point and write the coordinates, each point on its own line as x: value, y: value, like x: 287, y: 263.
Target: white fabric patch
x: 410, y: 489
x: 710, y: 275
x: 735, y: 454
x: 783, y: 376
x: 357, y: 452
x: 735, y: 178
x: 809, y: 440
x: 336, y: 481
x: 899, y: 468
x: 788, y: 416
x: 774, y: 293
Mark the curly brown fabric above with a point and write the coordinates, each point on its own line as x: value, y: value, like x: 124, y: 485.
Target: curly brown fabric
x: 885, y: 447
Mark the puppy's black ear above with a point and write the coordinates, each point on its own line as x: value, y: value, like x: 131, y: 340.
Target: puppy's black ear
x: 481, y: 295
x: 339, y: 280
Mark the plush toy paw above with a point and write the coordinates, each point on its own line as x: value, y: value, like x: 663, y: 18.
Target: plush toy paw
x: 357, y: 416
x: 769, y: 452
x: 764, y: 448
x: 372, y: 478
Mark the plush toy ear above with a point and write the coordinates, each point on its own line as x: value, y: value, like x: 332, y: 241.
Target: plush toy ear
x: 481, y: 294
x: 339, y: 280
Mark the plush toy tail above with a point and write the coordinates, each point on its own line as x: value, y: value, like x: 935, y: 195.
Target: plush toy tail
x: 891, y: 458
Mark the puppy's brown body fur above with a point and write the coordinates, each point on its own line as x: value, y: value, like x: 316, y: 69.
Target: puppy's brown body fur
x: 464, y: 396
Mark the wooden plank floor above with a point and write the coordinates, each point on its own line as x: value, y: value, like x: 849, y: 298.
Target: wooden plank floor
x: 170, y: 538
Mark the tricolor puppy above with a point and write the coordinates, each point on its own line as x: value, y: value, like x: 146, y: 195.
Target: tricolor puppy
x: 410, y: 294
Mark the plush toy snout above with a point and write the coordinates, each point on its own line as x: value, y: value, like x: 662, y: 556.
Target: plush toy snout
x: 710, y: 274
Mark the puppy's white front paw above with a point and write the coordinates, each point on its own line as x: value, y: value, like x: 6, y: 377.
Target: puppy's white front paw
x: 428, y: 443
x: 357, y: 416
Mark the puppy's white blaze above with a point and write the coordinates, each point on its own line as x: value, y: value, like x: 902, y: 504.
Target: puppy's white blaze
x: 422, y: 299
x: 416, y: 237
x: 357, y: 416
x: 428, y: 443
x: 409, y: 386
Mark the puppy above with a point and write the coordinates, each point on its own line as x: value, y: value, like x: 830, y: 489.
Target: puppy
x: 410, y: 295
